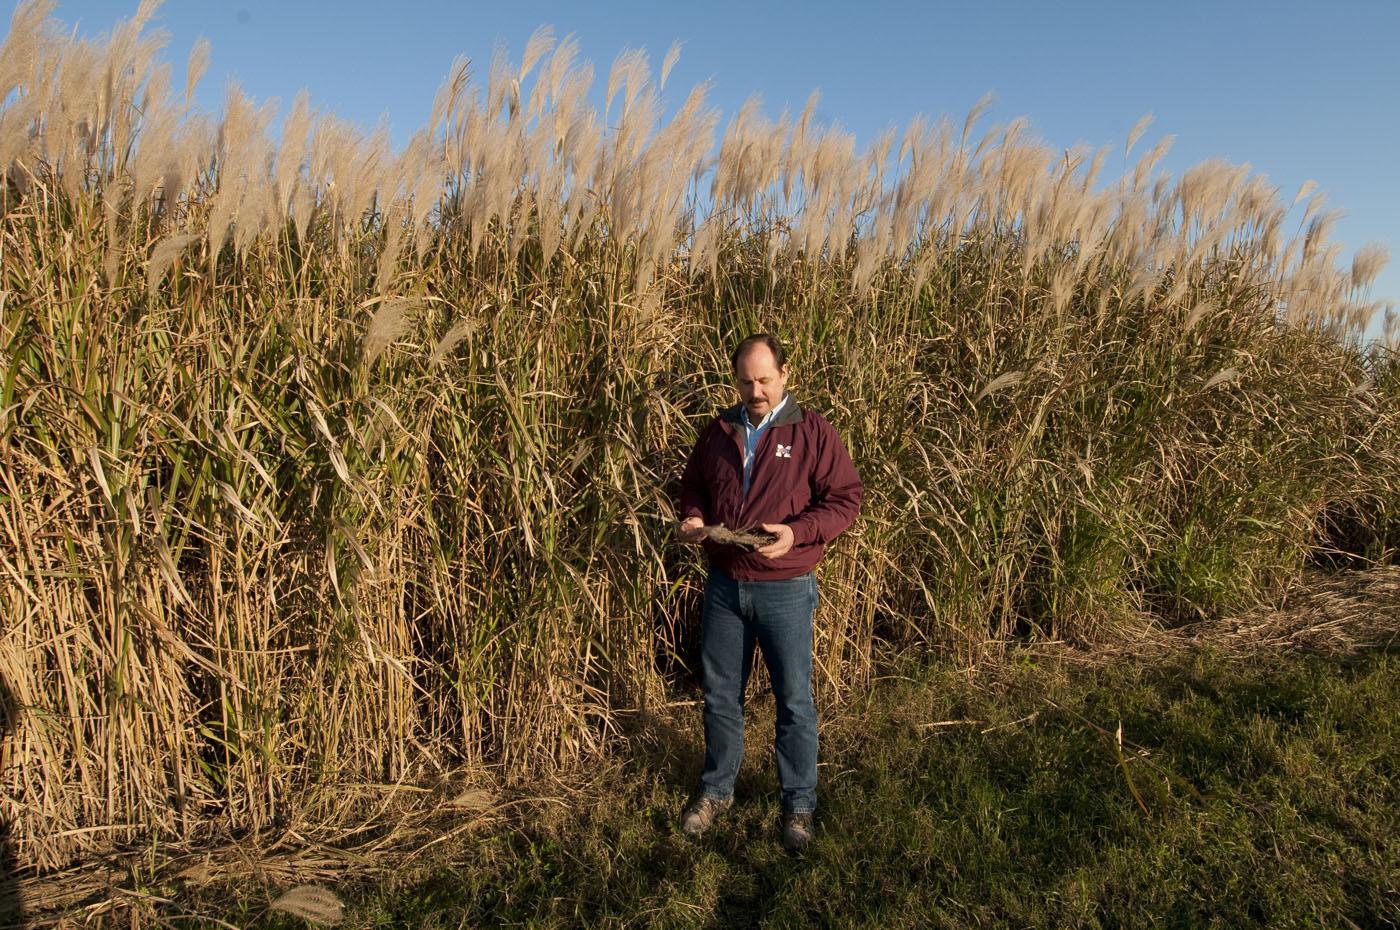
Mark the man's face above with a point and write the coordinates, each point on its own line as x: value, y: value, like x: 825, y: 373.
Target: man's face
x: 761, y: 383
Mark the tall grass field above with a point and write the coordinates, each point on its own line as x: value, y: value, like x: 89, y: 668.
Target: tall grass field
x: 328, y: 467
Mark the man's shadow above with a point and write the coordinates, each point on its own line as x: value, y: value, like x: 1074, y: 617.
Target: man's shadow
x: 655, y: 738
x: 669, y: 741
x: 11, y: 905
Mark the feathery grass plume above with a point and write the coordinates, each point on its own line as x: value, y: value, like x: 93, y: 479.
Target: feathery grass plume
x: 474, y: 799
x: 500, y: 79
x: 120, y: 64
x: 1135, y: 134
x: 390, y: 322
x: 1000, y: 383
x: 1368, y: 262
x: 795, y: 147
x: 1224, y: 376
x: 257, y: 214
x: 627, y: 74
x: 1315, y: 236
x: 1198, y: 313
x: 426, y: 172
x: 973, y: 115
x: 29, y: 56
x: 196, y: 68
x: 1149, y: 161
x: 312, y: 903
x: 1316, y: 201
x: 352, y: 170
x: 395, y: 217
x: 291, y: 156
x: 538, y: 45
x: 1062, y: 289
x: 31, y: 32
x: 454, y: 336
x: 243, y: 156
x: 163, y: 256
x: 450, y: 95
x: 673, y: 55
x: 156, y: 137
x: 338, y: 166
x: 69, y: 127
x: 561, y: 64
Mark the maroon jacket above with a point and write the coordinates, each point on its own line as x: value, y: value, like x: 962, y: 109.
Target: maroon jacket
x: 809, y: 483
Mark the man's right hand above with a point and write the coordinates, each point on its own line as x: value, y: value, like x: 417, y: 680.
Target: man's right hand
x: 689, y: 530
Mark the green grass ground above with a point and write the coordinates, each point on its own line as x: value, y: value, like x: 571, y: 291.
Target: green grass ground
x: 1257, y: 791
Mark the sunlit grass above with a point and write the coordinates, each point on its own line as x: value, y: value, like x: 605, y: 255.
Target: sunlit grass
x: 327, y: 464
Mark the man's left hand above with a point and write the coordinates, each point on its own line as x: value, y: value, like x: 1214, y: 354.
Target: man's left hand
x: 780, y: 546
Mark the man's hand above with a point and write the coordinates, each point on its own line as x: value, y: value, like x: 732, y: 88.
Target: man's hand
x: 780, y: 546
x: 689, y: 530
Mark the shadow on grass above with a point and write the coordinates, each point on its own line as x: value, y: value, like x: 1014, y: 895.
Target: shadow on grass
x: 656, y: 744
x: 11, y: 905
x: 1249, y: 793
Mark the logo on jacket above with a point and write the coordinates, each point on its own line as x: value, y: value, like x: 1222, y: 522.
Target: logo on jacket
x: 784, y: 452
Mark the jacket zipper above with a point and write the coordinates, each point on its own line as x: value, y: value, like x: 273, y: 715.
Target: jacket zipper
x: 758, y: 451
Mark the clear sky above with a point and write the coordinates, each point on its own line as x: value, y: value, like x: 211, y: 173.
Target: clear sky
x: 1300, y: 89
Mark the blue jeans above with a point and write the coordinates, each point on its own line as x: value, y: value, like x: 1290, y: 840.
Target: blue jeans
x: 777, y: 615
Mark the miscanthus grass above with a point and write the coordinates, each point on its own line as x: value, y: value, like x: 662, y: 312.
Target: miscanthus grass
x: 325, y: 465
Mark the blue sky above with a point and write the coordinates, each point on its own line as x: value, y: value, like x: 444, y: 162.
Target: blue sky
x: 1297, y: 89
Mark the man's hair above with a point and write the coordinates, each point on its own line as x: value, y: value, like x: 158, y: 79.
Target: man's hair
x: 774, y: 346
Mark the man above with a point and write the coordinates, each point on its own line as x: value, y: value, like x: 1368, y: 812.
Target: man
x: 770, y: 464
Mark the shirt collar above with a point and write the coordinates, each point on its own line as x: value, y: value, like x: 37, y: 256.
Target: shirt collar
x: 744, y: 413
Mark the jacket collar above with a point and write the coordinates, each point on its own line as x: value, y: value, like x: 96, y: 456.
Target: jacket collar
x: 791, y: 413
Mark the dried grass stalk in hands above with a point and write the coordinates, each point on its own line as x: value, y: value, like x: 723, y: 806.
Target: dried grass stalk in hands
x: 747, y: 538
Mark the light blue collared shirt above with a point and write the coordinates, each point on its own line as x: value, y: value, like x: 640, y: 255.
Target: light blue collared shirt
x: 751, y: 436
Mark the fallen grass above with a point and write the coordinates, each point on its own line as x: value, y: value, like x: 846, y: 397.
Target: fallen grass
x: 1248, y: 789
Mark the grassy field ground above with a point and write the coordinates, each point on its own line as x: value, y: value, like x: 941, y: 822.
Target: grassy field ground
x: 1254, y: 785
x: 1006, y: 821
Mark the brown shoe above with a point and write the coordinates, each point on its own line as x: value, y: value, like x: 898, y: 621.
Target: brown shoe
x: 701, y: 813
x: 798, y: 830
